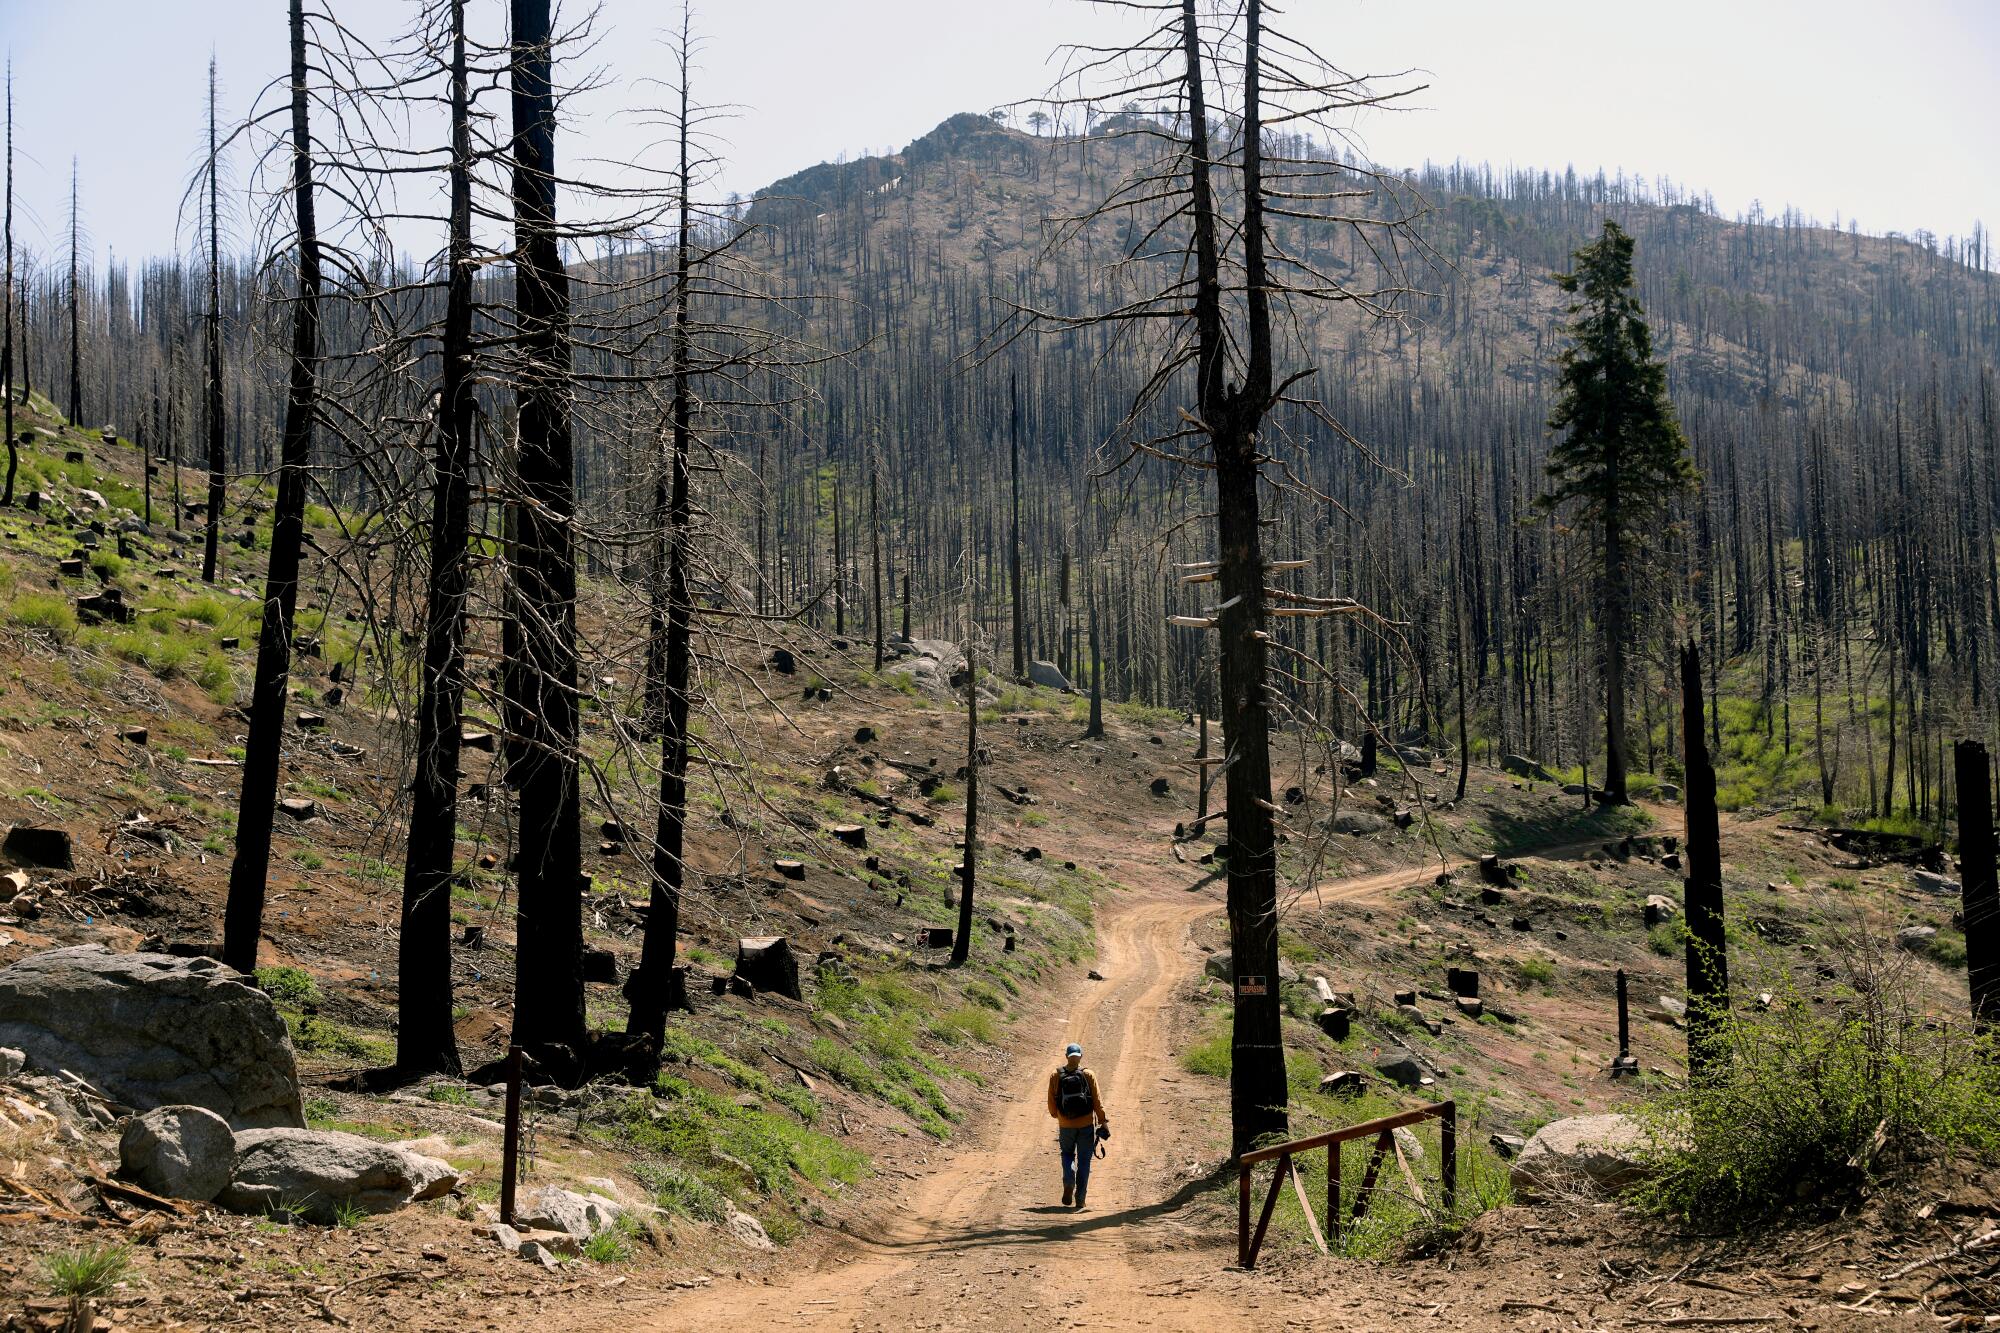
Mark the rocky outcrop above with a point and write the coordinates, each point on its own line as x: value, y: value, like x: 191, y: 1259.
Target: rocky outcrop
x: 316, y: 1174
x: 1601, y: 1153
x: 578, y: 1215
x: 152, y: 1030
x: 183, y: 1152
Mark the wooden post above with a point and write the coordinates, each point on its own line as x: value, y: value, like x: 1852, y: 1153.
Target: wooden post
x: 1333, y: 1190
x: 1243, y: 1216
x: 511, y: 1144
x: 1980, y: 896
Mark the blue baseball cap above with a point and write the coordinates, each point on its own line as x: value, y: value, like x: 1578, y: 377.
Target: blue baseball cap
x: 1074, y: 1049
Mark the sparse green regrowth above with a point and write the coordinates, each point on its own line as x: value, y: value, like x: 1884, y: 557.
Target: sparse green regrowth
x: 87, y: 1272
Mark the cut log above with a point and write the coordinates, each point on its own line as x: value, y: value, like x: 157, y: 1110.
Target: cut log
x: 767, y: 963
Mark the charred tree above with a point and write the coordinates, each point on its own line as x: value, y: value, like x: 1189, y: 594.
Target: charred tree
x: 218, y: 458
x: 1707, y: 946
x: 425, y: 1040
x: 650, y: 989
x: 541, y: 680
x: 1981, y: 897
x: 243, y: 920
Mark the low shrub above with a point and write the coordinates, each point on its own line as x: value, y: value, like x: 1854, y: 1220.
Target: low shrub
x: 1809, y: 1082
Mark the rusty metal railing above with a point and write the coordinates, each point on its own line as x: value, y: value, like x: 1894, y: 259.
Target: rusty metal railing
x: 1248, y: 1243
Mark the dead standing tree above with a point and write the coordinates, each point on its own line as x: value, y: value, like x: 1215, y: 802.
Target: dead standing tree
x: 257, y: 806
x: 1204, y: 208
x: 425, y: 1040
x: 1707, y: 945
x: 541, y: 678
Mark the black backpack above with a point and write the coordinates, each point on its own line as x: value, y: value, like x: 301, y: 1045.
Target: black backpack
x: 1072, y: 1093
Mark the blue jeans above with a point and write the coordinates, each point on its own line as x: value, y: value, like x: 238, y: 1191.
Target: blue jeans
x: 1078, y: 1147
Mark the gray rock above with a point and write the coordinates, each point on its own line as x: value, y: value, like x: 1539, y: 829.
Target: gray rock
x: 1218, y: 965
x: 1603, y: 1153
x: 183, y: 1152
x: 1915, y: 938
x: 582, y: 1216
x: 1358, y: 823
x: 316, y: 1172
x: 748, y: 1230
x: 1403, y: 1070
x: 1048, y: 675
x: 1660, y: 908
x: 1523, y: 767
x: 152, y: 1030
x: 12, y: 1061
x: 1932, y: 882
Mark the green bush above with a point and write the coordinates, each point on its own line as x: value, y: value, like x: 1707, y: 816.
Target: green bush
x: 46, y: 611
x: 289, y: 986
x: 1808, y: 1084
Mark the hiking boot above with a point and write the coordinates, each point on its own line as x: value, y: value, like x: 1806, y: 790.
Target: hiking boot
x: 1069, y: 1195
x: 1081, y: 1192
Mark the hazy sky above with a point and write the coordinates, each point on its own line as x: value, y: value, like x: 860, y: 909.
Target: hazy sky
x: 1887, y: 113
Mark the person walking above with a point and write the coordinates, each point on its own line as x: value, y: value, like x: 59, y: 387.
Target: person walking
x: 1078, y: 1109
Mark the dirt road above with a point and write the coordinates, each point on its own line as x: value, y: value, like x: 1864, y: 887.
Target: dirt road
x: 986, y: 1243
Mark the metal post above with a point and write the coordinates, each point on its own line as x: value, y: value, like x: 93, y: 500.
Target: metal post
x: 1448, y: 1145
x: 511, y: 1144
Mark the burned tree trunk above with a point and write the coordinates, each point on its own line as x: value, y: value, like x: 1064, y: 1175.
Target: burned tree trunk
x: 1014, y: 531
x: 1981, y: 897
x: 244, y: 915
x: 875, y: 550
x: 648, y: 991
x: 542, y: 681
x: 1258, y: 1094
x: 961, y: 941
x: 217, y: 457
x: 76, y: 292
x: 7, y: 344
x: 1707, y: 949
x: 425, y: 1041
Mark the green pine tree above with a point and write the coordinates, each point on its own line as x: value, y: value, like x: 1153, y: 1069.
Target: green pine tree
x: 1622, y: 457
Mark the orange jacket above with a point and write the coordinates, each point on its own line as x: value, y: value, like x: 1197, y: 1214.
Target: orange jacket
x: 1096, y: 1103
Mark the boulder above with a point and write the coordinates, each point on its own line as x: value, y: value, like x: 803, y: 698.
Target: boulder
x: 1931, y: 882
x: 577, y: 1215
x: 1218, y: 966
x: 153, y: 1030
x: 1915, y: 938
x: 1048, y: 675
x: 316, y: 1173
x: 1660, y: 908
x: 1358, y: 823
x: 1605, y: 1153
x: 1523, y: 767
x: 748, y: 1230
x: 1402, y: 1069
x: 183, y: 1152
